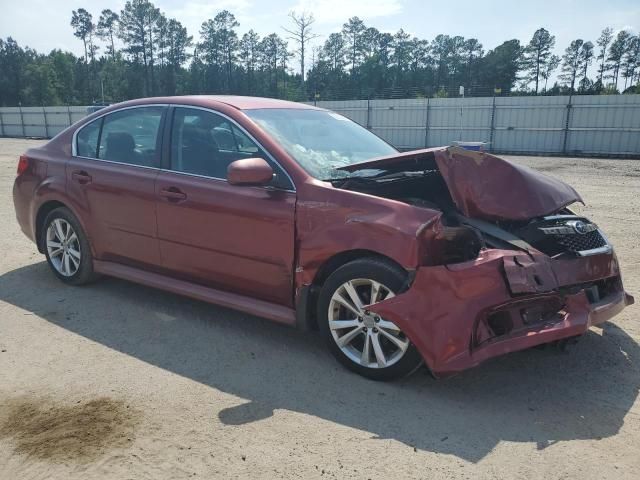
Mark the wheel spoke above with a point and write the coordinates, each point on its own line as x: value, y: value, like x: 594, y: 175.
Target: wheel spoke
x: 73, y: 237
x: 57, y: 224
x: 346, y: 339
x: 353, y: 295
x: 377, y: 350
x: 366, y: 350
x: 65, y: 260
x: 346, y: 303
x: 375, y: 291
x: 75, y: 254
x: 399, y: 342
x: 386, y: 325
x: 74, y: 261
x: 339, y: 324
x: 62, y: 263
x: 55, y: 248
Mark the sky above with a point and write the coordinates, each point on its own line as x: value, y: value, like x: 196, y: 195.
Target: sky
x: 44, y: 24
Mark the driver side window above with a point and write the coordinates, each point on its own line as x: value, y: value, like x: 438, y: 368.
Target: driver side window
x: 204, y: 143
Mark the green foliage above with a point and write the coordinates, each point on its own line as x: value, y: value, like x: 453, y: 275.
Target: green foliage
x: 144, y: 53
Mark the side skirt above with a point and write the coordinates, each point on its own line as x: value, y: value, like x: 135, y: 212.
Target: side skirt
x: 260, y: 308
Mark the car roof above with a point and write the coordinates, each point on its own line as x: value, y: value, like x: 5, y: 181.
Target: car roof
x: 236, y: 101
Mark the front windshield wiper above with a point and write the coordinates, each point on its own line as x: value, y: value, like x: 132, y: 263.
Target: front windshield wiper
x: 396, y: 175
x: 384, y: 176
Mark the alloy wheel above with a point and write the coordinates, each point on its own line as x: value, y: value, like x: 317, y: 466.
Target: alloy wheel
x: 363, y: 336
x: 63, y: 247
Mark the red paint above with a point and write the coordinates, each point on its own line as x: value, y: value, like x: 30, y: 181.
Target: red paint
x: 458, y: 298
x: 238, y: 239
x: 250, y: 171
x: 117, y: 204
x: 477, y: 180
x: 254, y: 247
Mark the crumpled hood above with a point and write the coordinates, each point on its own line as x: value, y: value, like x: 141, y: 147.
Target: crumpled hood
x: 485, y: 186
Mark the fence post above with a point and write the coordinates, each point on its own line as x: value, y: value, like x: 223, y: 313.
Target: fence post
x: 426, y: 126
x: 368, y: 113
x: 69, y: 115
x: 493, y: 123
x: 46, y: 124
x: 566, y: 124
x: 22, y: 121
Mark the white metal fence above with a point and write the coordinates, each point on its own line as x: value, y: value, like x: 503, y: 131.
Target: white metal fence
x: 37, y: 121
x: 607, y: 125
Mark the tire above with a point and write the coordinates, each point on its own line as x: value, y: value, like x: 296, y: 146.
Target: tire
x: 70, y: 257
x: 360, y: 334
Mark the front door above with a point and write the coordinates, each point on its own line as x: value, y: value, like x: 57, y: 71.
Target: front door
x: 235, y: 238
x: 112, y: 178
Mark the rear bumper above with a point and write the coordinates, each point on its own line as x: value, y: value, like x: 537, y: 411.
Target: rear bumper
x: 503, y: 301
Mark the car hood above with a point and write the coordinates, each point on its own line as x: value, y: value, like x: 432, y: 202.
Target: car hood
x: 482, y: 185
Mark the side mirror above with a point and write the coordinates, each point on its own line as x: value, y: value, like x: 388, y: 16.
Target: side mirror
x: 249, y: 171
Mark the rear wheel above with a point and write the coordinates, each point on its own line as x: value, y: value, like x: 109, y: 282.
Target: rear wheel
x: 67, y: 248
x: 361, y: 340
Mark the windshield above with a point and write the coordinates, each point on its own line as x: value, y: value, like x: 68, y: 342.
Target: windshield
x: 321, y: 141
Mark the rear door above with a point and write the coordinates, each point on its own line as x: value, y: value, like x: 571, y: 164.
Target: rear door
x: 111, y: 178
x: 234, y: 238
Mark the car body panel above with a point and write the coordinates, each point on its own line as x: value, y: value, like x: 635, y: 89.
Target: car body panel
x: 332, y: 221
x: 43, y: 182
x: 234, y: 237
x: 251, y: 305
x: 476, y: 182
x: 458, y: 298
x: 118, y: 208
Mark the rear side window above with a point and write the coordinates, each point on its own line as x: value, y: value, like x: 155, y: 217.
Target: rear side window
x: 87, y: 139
x: 131, y: 136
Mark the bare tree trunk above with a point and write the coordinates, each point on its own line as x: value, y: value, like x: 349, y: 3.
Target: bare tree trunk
x: 537, y: 70
x: 151, y: 59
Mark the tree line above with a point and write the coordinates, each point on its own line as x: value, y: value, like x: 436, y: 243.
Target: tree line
x: 140, y: 52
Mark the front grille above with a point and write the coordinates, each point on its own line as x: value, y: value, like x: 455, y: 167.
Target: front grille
x: 580, y: 242
x: 562, y: 234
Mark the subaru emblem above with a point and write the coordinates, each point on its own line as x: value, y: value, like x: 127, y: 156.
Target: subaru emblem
x: 580, y: 227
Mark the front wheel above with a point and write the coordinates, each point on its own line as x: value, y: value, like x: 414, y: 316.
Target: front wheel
x: 361, y: 340
x: 66, y: 247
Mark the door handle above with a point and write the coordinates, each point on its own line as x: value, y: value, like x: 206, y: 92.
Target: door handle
x: 81, y: 177
x: 173, y: 194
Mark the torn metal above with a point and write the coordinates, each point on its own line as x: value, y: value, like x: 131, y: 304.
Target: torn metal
x: 477, y: 183
x: 503, y: 301
x: 498, y: 261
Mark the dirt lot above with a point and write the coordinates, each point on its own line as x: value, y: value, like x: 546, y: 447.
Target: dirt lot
x: 116, y: 380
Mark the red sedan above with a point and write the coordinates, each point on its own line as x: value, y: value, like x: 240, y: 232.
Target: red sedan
x: 297, y: 214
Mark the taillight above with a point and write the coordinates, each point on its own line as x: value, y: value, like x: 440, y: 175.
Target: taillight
x: 23, y: 164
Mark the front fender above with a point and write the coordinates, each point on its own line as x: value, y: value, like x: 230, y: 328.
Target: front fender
x: 331, y: 221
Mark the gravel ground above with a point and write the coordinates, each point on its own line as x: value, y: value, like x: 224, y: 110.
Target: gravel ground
x: 116, y: 380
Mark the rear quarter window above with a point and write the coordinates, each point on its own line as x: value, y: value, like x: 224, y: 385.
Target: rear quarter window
x: 87, y: 139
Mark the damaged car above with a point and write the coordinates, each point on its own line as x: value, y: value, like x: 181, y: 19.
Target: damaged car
x: 443, y: 257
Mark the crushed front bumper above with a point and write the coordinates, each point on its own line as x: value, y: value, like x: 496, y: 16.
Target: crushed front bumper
x: 503, y: 301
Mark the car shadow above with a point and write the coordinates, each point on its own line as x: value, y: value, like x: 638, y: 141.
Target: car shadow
x: 541, y: 396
